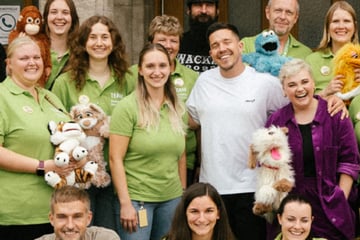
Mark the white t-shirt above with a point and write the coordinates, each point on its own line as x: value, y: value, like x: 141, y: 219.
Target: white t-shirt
x: 229, y: 110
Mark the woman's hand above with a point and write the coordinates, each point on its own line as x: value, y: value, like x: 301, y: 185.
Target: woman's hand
x: 50, y: 166
x: 335, y: 105
x: 357, y: 75
x: 128, y: 217
x: 334, y: 86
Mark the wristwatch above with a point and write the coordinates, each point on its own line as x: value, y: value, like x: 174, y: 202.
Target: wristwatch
x: 40, y: 170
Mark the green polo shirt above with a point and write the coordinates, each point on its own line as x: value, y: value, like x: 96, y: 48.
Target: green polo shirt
x: 151, y: 160
x: 295, y: 49
x: 321, y: 66
x: 23, y: 130
x: 183, y: 79
x: 106, y: 97
x: 56, y: 68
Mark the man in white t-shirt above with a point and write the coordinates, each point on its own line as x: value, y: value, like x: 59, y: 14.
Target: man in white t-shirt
x: 230, y: 102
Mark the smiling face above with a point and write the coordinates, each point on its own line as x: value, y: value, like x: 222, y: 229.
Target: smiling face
x: 26, y: 65
x: 295, y: 221
x: 225, y: 50
x: 155, y: 69
x: 202, y: 215
x: 282, y: 16
x: 299, y: 88
x: 99, y: 44
x: 59, y: 18
x: 170, y: 42
x: 342, y: 26
x: 70, y: 220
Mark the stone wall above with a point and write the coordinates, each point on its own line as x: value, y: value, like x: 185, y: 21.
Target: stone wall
x: 132, y: 17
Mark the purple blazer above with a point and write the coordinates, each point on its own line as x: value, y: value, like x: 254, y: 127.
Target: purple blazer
x: 335, y: 151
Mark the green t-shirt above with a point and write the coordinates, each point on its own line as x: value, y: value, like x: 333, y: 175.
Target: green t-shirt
x: 295, y: 49
x: 23, y: 129
x: 151, y: 160
x: 183, y: 79
x: 321, y: 66
x: 106, y: 97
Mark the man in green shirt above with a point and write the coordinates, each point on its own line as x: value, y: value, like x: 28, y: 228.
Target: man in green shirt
x: 282, y: 16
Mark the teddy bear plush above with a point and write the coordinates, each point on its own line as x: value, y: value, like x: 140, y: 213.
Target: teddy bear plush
x: 345, y: 61
x: 95, y: 124
x: 67, y: 137
x: 266, y: 57
x: 271, y: 156
x: 30, y: 22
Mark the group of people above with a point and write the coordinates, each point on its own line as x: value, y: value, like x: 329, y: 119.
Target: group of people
x: 167, y: 119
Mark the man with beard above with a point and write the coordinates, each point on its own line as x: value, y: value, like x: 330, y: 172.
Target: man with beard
x: 194, y: 47
x: 282, y: 16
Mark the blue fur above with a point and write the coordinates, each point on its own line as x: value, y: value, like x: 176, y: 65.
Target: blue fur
x: 266, y: 57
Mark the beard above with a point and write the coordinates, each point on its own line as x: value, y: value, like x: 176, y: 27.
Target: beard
x: 201, y: 22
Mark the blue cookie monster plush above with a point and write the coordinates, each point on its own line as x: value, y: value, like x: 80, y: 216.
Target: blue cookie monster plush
x: 266, y: 57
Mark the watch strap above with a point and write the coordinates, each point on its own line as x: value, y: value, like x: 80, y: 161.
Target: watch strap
x: 40, y: 170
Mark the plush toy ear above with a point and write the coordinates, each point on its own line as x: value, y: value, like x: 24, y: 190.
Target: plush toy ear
x: 52, y: 127
x: 285, y: 130
x: 252, y: 157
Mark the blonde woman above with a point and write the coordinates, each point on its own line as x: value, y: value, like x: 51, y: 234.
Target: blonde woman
x: 147, y: 150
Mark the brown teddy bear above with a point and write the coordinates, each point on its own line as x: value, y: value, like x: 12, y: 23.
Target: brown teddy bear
x: 95, y: 124
x: 30, y: 23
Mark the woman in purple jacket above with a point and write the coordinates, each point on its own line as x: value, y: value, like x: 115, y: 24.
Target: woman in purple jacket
x: 325, y: 153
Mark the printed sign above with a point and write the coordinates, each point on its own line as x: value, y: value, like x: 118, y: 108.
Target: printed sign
x: 8, y: 17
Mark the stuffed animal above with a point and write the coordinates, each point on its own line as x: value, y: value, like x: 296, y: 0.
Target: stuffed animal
x: 67, y: 137
x: 270, y: 153
x: 30, y: 22
x: 95, y: 124
x: 345, y: 61
x: 266, y: 57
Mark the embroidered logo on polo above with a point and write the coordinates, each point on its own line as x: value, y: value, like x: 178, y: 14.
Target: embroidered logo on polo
x: 27, y: 109
x: 179, y: 82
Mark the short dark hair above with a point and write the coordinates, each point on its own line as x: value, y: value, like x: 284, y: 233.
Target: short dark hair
x: 190, y: 2
x: 219, y: 26
x: 292, y: 198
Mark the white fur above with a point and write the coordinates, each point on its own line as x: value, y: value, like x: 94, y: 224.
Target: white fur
x: 270, y: 170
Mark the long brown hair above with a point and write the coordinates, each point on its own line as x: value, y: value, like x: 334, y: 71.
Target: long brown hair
x: 79, y: 58
x: 74, y: 19
x: 180, y: 229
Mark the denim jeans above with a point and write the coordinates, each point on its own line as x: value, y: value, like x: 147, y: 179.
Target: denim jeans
x: 159, y: 216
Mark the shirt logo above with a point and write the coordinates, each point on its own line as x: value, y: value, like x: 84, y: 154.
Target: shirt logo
x: 28, y: 109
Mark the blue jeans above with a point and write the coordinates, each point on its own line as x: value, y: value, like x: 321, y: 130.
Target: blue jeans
x: 102, y: 206
x: 159, y: 216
